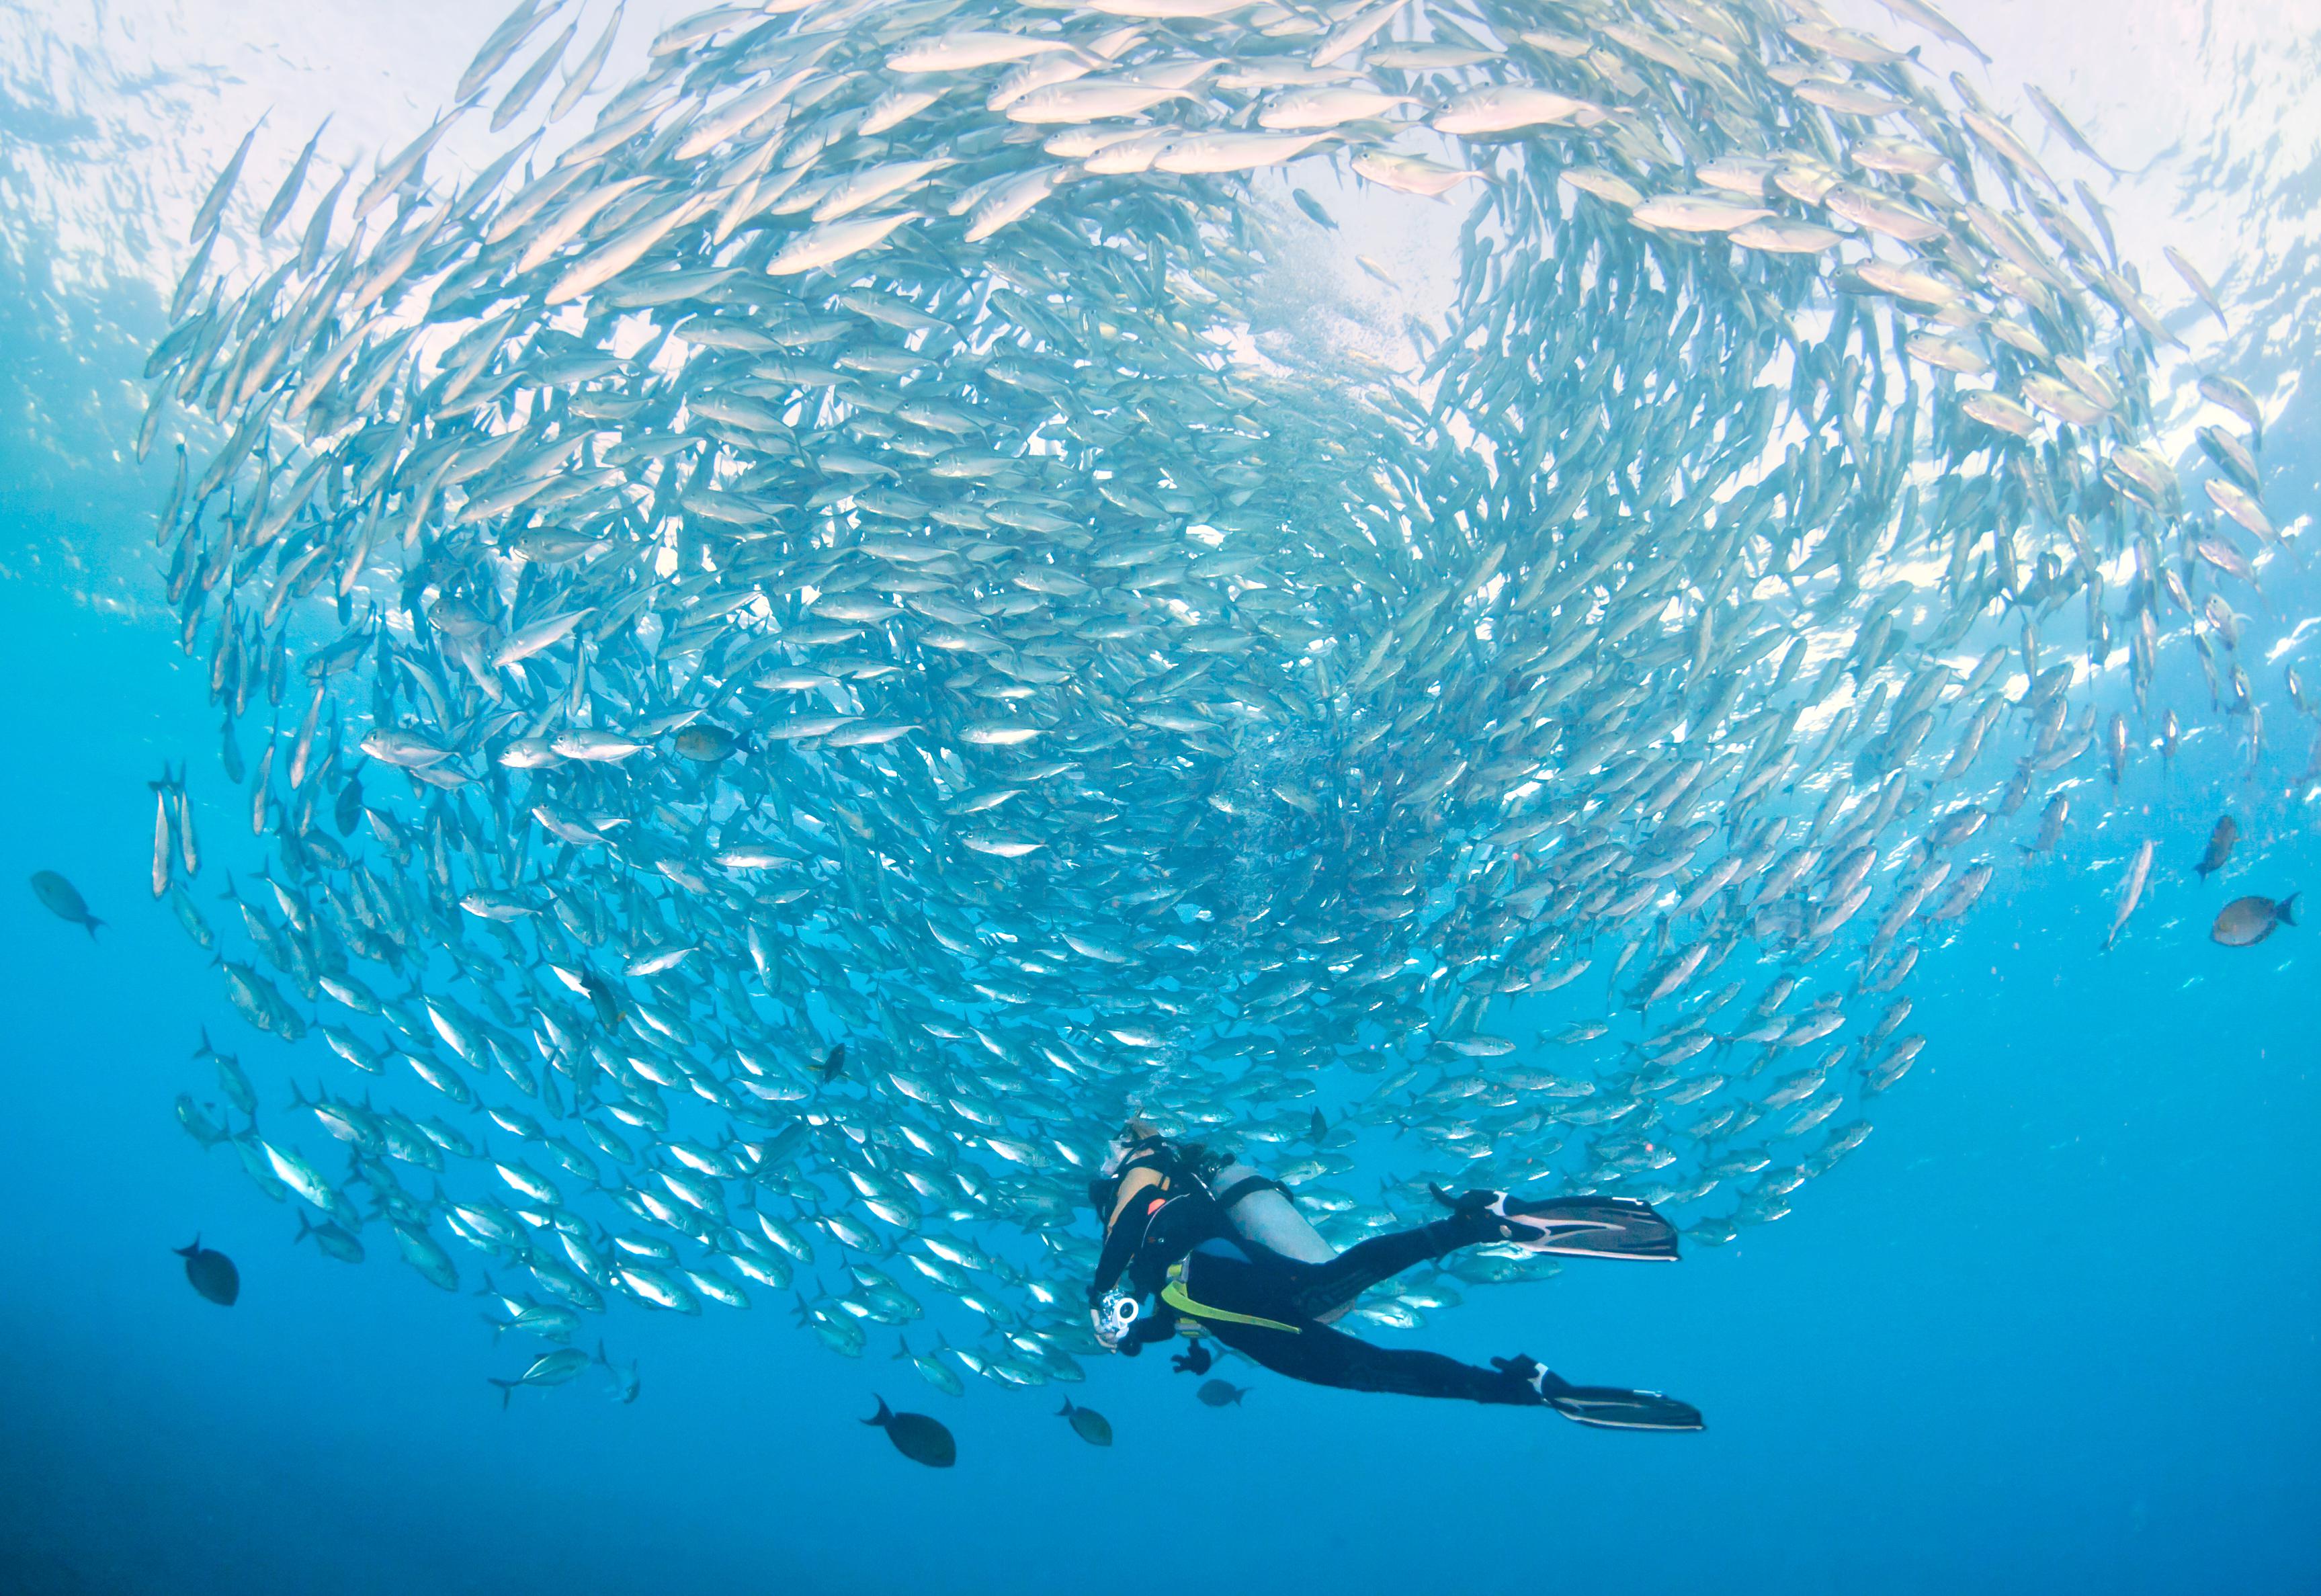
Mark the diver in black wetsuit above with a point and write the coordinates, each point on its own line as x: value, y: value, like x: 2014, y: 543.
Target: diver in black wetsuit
x: 1174, y: 1243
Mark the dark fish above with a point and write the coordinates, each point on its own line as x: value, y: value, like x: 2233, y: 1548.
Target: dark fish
x: 1087, y: 1424
x: 1318, y: 1128
x: 706, y: 745
x: 1312, y: 207
x: 916, y: 1436
x: 1220, y: 1393
x: 64, y: 899
x: 2220, y: 847
x: 833, y: 1063
x: 2246, y: 921
x: 212, y: 1272
x: 602, y: 998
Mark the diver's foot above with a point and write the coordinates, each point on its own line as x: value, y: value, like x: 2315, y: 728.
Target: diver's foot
x: 1526, y: 1372
x: 1613, y: 1408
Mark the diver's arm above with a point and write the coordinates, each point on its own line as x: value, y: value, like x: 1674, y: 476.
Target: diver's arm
x: 1130, y: 1215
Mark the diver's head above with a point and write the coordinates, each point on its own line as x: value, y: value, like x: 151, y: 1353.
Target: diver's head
x: 1134, y: 1137
x: 1137, y: 1138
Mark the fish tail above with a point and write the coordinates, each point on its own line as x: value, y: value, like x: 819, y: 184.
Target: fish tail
x: 508, y: 1389
x: 2285, y: 911
x: 92, y: 922
x: 885, y: 1415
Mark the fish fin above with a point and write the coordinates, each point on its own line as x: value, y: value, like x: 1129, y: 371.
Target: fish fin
x: 507, y: 1389
x: 2285, y: 911
x: 1066, y: 1410
x: 305, y: 1230
x: 189, y: 1252
x: 92, y: 923
x: 884, y: 1417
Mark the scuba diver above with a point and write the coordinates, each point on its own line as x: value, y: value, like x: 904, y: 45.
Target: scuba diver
x: 1216, y: 1249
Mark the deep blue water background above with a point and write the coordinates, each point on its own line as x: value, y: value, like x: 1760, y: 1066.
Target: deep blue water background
x: 2051, y: 1328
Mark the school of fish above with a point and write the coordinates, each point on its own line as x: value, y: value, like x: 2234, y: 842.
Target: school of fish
x: 802, y: 648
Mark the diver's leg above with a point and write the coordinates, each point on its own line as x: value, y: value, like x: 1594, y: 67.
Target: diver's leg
x: 1320, y: 1355
x: 1318, y: 1288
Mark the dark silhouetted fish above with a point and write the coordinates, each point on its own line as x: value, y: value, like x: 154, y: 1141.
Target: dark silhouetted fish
x: 2246, y: 921
x: 916, y: 1436
x: 2219, y: 848
x: 64, y: 899
x: 1087, y: 1424
x: 1220, y: 1394
x: 212, y: 1272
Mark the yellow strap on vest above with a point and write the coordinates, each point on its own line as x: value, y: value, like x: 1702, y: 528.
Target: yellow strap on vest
x: 1176, y: 1297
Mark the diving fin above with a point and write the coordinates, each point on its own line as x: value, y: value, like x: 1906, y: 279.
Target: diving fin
x: 1608, y: 1407
x: 1591, y: 1226
x: 1587, y: 1227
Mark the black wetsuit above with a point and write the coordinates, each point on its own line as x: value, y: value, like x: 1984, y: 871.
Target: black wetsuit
x: 1224, y: 1271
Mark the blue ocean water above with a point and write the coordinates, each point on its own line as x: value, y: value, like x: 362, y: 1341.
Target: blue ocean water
x: 2051, y: 1328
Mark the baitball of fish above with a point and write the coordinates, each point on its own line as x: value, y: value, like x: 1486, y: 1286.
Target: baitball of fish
x: 878, y: 538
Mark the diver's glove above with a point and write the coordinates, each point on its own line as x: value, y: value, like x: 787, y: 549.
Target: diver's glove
x: 1113, y: 1318
x: 1195, y: 1362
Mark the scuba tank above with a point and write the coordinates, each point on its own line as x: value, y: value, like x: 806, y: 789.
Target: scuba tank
x: 1259, y: 1209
